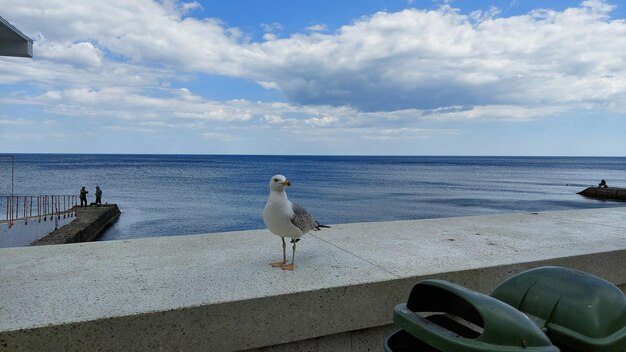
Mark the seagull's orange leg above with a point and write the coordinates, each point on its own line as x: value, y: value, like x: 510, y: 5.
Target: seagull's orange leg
x: 280, y: 264
x: 293, y: 260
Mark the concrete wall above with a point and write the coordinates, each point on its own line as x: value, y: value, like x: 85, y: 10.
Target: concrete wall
x: 216, y: 292
x: 23, y: 234
x: 482, y: 280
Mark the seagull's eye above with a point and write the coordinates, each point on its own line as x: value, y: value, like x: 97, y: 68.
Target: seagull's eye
x: 275, y: 180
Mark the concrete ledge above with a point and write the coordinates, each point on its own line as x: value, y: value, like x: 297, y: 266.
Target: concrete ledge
x: 216, y: 292
x: 89, y: 224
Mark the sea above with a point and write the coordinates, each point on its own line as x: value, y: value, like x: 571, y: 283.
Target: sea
x: 172, y: 195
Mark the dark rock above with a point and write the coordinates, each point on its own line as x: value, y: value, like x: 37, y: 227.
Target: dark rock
x: 604, y: 193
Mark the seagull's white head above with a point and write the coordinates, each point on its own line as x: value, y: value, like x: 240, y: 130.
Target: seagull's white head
x: 278, y: 183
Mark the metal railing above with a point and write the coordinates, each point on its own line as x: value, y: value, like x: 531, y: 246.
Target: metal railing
x: 36, y: 208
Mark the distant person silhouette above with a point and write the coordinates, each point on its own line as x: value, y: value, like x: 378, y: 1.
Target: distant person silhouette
x: 83, y: 196
x: 602, y: 184
x: 98, y: 196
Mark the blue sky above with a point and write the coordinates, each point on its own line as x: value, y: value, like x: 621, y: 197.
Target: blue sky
x: 363, y: 77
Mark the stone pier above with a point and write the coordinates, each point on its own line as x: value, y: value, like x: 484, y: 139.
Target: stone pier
x: 89, y: 224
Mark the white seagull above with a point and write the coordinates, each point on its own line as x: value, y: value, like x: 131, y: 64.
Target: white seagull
x: 286, y: 219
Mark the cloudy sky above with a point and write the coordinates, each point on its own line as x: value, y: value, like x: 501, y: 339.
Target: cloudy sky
x: 405, y: 77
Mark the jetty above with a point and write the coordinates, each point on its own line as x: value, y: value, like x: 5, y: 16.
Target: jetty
x: 616, y: 193
x: 217, y: 292
x: 89, y: 224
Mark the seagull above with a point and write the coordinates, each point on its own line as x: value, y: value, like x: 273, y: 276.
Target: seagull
x: 286, y: 219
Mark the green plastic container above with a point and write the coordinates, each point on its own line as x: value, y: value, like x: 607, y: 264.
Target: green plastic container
x: 402, y: 341
x: 442, y: 316
x: 578, y: 311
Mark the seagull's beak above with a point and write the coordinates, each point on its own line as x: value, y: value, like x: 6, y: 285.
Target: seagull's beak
x: 286, y: 183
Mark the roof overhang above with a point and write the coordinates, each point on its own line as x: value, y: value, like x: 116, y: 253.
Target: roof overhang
x: 13, y: 42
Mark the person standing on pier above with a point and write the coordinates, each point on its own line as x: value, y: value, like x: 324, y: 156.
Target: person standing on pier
x: 83, y: 196
x: 98, y: 196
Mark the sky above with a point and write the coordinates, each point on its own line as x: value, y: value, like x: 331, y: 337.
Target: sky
x: 317, y: 77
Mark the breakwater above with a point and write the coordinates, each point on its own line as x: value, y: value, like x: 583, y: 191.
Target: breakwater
x: 89, y: 224
x: 616, y: 193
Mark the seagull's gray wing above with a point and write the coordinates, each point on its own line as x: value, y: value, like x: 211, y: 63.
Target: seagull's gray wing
x: 302, y: 219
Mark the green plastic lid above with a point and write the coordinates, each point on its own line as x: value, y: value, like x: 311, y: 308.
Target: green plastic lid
x: 449, y: 317
x: 578, y: 311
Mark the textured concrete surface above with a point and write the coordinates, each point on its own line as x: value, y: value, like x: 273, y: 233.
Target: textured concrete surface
x: 89, y: 224
x: 218, y: 292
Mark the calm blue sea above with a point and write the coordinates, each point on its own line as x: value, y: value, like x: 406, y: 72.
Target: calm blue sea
x: 167, y: 195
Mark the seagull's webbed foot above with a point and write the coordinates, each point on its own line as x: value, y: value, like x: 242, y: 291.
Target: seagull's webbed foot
x: 281, y: 264
x: 288, y: 266
x: 292, y: 265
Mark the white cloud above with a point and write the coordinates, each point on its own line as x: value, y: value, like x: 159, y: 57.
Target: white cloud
x: 15, y: 122
x: 271, y: 27
x: 598, y: 6
x: 423, y: 60
x: 269, y: 36
x: 80, y: 55
x: 493, y: 112
x: 117, y: 59
x: 323, y: 121
x: 317, y: 28
x: 386, y: 134
x: 130, y: 129
x: 481, y: 16
x: 33, y: 136
x: 268, y: 85
x: 273, y: 119
x: 129, y: 103
x: 179, y: 8
x: 219, y: 136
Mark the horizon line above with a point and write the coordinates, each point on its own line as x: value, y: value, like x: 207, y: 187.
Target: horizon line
x: 4, y: 154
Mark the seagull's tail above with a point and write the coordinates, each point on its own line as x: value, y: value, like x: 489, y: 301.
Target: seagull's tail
x: 319, y: 226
